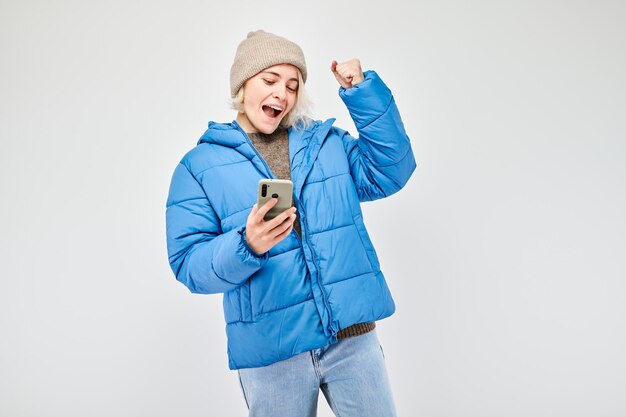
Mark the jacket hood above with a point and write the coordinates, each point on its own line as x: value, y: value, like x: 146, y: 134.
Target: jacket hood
x: 230, y: 134
x: 304, y: 145
x: 225, y: 134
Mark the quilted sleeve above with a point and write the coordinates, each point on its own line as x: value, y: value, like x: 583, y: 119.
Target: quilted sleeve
x: 381, y: 159
x: 201, y: 256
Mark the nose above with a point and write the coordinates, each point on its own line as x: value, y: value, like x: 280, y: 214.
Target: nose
x: 280, y: 92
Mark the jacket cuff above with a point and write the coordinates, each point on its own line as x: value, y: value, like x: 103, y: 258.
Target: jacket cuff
x: 249, y: 249
x: 368, y: 100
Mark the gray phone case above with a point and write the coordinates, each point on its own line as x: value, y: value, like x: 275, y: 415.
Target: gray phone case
x: 281, y: 189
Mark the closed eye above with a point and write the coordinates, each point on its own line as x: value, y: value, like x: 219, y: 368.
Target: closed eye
x: 271, y: 82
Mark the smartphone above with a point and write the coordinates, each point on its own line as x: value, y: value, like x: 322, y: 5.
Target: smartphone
x: 272, y: 188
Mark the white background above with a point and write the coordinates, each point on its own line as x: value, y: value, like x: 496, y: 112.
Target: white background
x: 505, y: 252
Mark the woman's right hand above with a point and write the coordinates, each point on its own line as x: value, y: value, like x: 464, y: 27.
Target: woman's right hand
x: 262, y: 235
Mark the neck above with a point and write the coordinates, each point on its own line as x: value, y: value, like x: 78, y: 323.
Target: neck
x: 245, y: 123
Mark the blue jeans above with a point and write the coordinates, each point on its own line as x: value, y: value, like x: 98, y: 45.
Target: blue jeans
x: 351, y: 374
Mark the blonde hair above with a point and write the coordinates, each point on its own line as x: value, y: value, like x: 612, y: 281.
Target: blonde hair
x: 297, y: 118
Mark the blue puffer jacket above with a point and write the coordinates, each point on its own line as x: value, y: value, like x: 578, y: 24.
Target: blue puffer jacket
x: 297, y: 296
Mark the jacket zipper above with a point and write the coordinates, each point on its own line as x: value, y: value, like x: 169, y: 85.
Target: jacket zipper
x: 330, y: 316
x: 304, y: 227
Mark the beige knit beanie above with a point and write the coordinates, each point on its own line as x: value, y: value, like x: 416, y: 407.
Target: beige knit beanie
x: 261, y: 50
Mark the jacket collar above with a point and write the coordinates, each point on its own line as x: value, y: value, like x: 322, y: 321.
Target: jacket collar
x: 304, y: 146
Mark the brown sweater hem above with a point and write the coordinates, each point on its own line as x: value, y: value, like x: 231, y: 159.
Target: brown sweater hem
x: 356, y: 330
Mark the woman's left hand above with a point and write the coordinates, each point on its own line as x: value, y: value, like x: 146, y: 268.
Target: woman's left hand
x: 348, y: 73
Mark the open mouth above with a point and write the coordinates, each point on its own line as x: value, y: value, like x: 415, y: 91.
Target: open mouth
x: 272, y: 111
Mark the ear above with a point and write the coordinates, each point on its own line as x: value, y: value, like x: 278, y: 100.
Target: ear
x: 239, y: 99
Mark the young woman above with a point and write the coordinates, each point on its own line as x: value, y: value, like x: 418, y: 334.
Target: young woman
x: 302, y: 292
